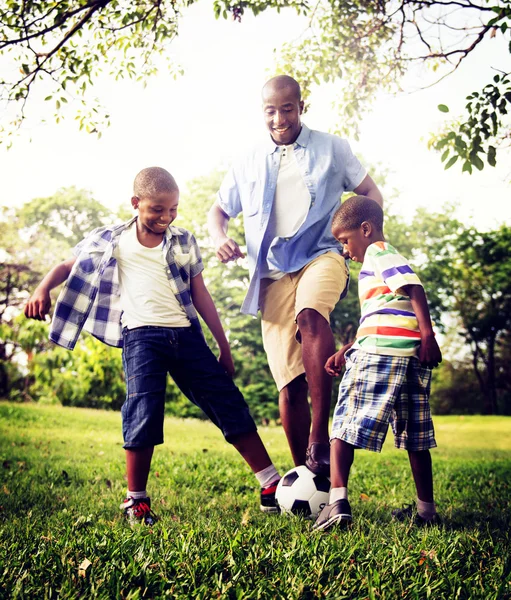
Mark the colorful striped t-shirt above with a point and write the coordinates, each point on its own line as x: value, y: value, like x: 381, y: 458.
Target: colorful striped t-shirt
x: 388, y: 324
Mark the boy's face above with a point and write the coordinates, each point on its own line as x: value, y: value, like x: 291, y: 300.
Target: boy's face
x: 282, y: 110
x: 156, y: 213
x: 354, y: 241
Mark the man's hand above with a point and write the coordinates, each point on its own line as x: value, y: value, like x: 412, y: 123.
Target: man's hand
x: 335, y: 363
x: 38, y: 305
x: 225, y: 359
x: 429, y: 352
x: 227, y: 249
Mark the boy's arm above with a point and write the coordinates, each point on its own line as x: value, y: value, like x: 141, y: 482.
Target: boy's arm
x: 335, y: 363
x: 206, y: 308
x: 429, y: 352
x: 39, y: 303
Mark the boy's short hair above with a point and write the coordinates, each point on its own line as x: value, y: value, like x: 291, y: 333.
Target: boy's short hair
x: 153, y: 180
x: 355, y: 210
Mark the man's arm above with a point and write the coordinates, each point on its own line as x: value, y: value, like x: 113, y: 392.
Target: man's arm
x: 368, y: 188
x: 39, y: 303
x: 205, y: 306
x: 429, y: 352
x: 218, y: 223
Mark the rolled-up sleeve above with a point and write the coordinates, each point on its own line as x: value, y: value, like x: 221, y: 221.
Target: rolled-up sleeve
x: 196, y: 265
x: 228, y: 196
x: 354, y: 172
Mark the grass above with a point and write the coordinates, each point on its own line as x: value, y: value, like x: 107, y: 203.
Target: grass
x: 62, y: 479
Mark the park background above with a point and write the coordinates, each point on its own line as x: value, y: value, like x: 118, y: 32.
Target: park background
x: 61, y: 462
x: 58, y: 183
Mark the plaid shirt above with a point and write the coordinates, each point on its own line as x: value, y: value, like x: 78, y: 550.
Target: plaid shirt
x: 90, y: 299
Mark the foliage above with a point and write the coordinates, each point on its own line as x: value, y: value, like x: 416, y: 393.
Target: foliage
x: 66, y: 216
x: 487, y: 122
x: 362, y: 45
x: 366, y: 46
x: 62, y: 479
x: 469, y: 277
x: 67, y: 44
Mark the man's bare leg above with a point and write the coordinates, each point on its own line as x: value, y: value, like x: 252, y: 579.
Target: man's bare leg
x: 295, y: 416
x: 317, y: 346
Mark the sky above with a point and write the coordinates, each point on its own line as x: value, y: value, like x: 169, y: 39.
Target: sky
x: 211, y: 114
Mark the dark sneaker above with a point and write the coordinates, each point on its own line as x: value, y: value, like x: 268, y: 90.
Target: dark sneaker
x: 318, y: 459
x: 409, y: 513
x: 138, y: 511
x: 268, y: 500
x: 337, y: 513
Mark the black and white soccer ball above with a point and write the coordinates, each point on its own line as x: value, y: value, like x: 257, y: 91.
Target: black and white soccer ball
x: 302, y: 492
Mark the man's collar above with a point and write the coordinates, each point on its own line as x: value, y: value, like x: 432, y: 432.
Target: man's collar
x: 301, y: 140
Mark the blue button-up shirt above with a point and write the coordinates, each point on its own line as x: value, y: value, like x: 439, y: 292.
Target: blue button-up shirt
x: 328, y: 167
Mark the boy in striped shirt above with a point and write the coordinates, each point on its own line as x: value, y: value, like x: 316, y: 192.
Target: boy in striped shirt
x: 388, y: 366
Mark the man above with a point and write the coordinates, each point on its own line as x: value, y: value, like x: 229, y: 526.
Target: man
x: 288, y: 191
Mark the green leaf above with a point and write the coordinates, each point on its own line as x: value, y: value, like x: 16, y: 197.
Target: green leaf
x: 477, y: 162
x: 467, y: 167
x: 492, y: 156
x: 443, y: 108
x: 445, y: 155
x: 451, y: 161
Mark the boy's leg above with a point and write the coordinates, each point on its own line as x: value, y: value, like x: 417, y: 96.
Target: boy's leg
x: 144, y: 360
x: 413, y: 430
x: 338, y: 509
x: 201, y: 378
x: 422, y: 471
x: 138, y: 464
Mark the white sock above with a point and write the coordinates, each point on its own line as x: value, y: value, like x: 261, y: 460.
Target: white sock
x: 136, y: 495
x: 340, y: 493
x: 426, y: 510
x: 267, y: 476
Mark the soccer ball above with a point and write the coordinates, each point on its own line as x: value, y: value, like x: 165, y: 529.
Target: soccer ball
x: 302, y: 492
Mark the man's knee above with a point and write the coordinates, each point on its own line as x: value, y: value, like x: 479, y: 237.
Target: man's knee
x: 295, y: 392
x: 310, y: 321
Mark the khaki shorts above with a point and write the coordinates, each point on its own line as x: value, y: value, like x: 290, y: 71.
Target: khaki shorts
x: 319, y: 286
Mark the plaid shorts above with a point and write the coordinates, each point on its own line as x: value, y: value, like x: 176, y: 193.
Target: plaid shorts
x: 377, y: 389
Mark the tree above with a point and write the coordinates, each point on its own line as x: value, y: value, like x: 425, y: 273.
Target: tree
x: 468, y: 275
x: 365, y: 45
x: 66, y: 216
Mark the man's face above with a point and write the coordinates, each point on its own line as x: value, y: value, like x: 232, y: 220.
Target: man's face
x: 156, y: 213
x: 354, y: 241
x: 282, y: 110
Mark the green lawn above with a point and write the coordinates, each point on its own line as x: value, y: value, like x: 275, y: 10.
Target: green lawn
x: 62, y: 479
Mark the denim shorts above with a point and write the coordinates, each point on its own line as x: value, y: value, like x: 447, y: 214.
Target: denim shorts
x: 149, y: 353
x: 377, y: 390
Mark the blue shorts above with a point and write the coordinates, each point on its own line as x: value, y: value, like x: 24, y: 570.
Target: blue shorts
x: 377, y: 390
x: 149, y: 353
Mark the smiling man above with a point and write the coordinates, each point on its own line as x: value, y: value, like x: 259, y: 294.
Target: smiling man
x: 288, y: 191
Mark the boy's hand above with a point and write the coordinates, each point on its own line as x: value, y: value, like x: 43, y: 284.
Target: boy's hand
x: 334, y: 364
x: 429, y: 352
x: 225, y: 359
x: 227, y: 249
x: 38, y: 305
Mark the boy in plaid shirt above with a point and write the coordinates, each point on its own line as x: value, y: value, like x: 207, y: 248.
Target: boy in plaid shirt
x: 388, y: 366
x: 139, y: 286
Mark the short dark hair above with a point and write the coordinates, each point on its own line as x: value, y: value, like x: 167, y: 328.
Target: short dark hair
x: 282, y: 81
x: 355, y: 210
x: 153, y: 180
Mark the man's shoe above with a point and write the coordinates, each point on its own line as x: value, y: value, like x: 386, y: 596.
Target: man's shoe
x: 337, y: 513
x: 409, y: 513
x: 268, y: 501
x: 318, y: 458
x: 138, y: 511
